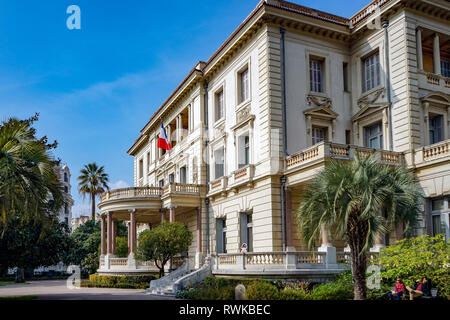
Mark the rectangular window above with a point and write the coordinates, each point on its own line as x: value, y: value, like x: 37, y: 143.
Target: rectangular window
x: 244, y: 150
x: 148, y: 160
x: 171, y: 178
x: 219, y: 163
x: 371, y: 72
x: 374, y: 136
x: 247, y: 230
x: 445, y: 68
x: 161, y: 183
x: 436, y: 132
x: 183, y: 175
x: 219, y: 105
x: 348, y: 137
x: 316, y: 75
x: 221, y: 236
x: 318, y: 135
x: 141, y: 168
x: 438, y: 225
x: 244, y: 86
x: 345, y: 76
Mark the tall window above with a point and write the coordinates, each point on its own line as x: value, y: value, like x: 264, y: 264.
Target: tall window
x: 435, y: 124
x: 219, y: 105
x: 345, y: 76
x: 183, y: 174
x: 148, y: 159
x: 244, y: 150
x: 445, y: 68
x: 374, y: 136
x: 318, y: 135
x: 65, y: 177
x: 171, y: 178
x: 316, y: 75
x: 247, y: 230
x: 161, y: 183
x: 66, y: 189
x: 141, y: 168
x: 371, y: 72
x: 219, y: 163
x: 439, y: 209
x: 244, y: 86
x: 221, y: 236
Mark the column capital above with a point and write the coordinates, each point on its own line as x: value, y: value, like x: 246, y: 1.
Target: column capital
x: 132, y: 210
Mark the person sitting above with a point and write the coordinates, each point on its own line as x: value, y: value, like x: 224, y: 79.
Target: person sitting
x: 399, y: 290
x: 418, y: 289
x: 426, y: 287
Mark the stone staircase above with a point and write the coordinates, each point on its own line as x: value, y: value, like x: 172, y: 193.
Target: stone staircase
x: 177, y: 280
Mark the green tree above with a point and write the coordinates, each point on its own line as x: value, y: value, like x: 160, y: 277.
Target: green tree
x: 349, y: 196
x: 85, y: 245
x: 416, y: 258
x: 30, y: 192
x: 163, y: 243
x: 27, y: 176
x: 93, y: 181
x: 121, y: 247
x: 42, y: 242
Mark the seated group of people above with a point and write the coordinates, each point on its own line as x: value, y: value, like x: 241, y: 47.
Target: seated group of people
x: 420, y: 288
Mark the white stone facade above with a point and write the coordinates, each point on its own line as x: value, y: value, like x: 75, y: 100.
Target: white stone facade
x: 291, y: 88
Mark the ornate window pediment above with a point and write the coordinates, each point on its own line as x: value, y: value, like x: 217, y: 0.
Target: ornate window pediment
x: 372, y: 97
x: 321, y: 112
x: 368, y: 110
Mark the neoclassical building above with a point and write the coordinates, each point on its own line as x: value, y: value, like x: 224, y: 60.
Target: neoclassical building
x: 289, y: 90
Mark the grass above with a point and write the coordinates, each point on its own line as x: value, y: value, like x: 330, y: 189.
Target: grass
x: 6, y: 283
x: 19, y: 298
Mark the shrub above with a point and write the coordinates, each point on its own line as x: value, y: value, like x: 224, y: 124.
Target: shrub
x: 262, y: 291
x: 415, y: 258
x: 293, y: 294
x: 130, y: 281
x: 298, y: 285
x: 340, y: 289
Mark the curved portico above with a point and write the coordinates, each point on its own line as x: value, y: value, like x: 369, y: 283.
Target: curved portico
x: 147, y: 207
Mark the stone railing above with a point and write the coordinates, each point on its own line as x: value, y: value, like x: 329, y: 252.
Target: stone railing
x: 367, y: 11
x: 433, y: 78
x: 432, y: 152
x: 118, y: 262
x: 131, y: 193
x: 262, y: 258
x: 227, y: 259
x: 102, y: 261
x: 447, y: 82
x: 148, y: 263
x: 218, y: 184
x: 343, y: 257
x: 327, y: 150
x: 308, y: 257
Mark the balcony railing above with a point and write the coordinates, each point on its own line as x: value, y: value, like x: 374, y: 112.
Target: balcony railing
x: 432, y: 81
x: 367, y: 11
x: 327, y: 150
x: 131, y: 193
x: 150, y: 192
x: 432, y: 152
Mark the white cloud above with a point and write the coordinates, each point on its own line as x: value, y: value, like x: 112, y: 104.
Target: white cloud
x: 119, y: 184
x: 83, y: 209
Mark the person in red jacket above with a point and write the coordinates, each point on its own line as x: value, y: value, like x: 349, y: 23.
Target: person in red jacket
x: 399, y: 290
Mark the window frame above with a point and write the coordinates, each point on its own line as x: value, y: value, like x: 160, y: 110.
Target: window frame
x: 245, y: 66
x: 317, y: 86
x: 368, y: 137
x: 374, y: 68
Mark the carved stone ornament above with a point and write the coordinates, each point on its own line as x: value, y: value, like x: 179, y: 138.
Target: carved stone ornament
x: 371, y: 97
x: 318, y: 101
x: 243, y: 114
x: 219, y: 131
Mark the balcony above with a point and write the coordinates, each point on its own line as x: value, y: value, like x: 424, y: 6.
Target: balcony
x: 113, y: 265
x: 151, y: 198
x: 241, y: 176
x: 327, y: 150
x: 432, y: 153
x: 433, y: 82
x: 218, y: 185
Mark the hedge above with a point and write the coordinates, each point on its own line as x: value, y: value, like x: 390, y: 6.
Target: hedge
x: 128, y: 281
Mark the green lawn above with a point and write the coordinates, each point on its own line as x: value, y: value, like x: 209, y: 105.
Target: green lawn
x: 6, y: 283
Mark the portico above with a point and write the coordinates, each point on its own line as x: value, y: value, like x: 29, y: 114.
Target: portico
x: 144, y: 208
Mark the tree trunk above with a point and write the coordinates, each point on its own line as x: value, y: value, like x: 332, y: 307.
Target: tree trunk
x: 20, y: 275
x: 356, y: 234
x: 161, y: 272
x: 93, y: 207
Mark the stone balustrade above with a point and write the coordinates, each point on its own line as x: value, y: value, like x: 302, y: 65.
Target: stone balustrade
x: 367, y: 11
x: 328, y: 150
x: 432, y: 152
x: 432, y: 81
x: 151, y: 192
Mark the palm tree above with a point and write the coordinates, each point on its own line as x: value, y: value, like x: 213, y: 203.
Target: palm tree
x: 93, y: 181
x: 360, y: 199
x: 27, y: 177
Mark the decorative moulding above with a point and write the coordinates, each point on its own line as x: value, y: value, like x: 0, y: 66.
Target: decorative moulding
x: 319, y: 101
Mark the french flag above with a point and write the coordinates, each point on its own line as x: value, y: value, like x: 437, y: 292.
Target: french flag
x: 163, y: 142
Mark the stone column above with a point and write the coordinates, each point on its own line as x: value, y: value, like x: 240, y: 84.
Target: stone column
x: 289, y: 222
x: 163, y: 214
x: 103, y: 234
x: 114, y: 234
x: 419, y: 49
x: 132, y: 232
x: 436, y: 55
x: 426, y: 119
x: 328, y: 249
x: 129, y: 236
x: 199, y: 253
x: 172, y: 214
x: 109, y: 233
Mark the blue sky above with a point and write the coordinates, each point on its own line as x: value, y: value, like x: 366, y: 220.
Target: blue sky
x: 95, y: 88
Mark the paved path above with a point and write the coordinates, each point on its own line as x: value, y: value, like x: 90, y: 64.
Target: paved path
x: 57, y: 290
